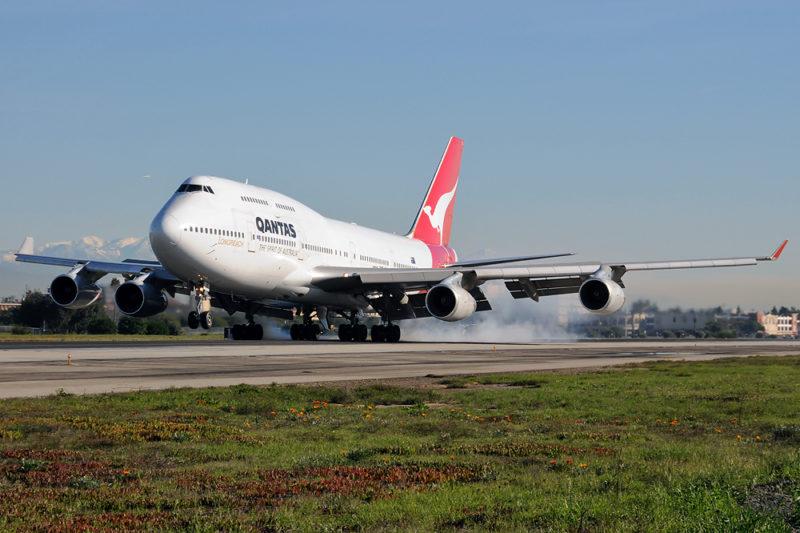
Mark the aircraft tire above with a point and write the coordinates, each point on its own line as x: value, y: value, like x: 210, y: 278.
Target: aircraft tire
x: 345, y: 333
x: 311, y: 332
x: 193, y: 320
x: 255, y: 332
x: 206, y: 320
x: 378, y: 333
x: 393, y: 333
x: 237, y: 332
x: 360, y: 333
x: 296, y: 332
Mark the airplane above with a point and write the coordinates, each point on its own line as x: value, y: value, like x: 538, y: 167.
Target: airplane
x: 240, y: 247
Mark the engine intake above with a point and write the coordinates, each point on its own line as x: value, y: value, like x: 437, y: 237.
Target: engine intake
x: 449, y: 301
x: 74, y: 290
x: 140, y: 298
x: 601, y: 296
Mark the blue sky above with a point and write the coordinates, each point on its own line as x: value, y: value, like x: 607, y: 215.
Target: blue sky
x: 619, y: 130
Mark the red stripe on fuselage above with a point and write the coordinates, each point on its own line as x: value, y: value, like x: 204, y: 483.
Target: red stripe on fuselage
x: 441, y: 256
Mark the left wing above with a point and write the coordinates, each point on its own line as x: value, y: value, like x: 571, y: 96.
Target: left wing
x: 532, y: 281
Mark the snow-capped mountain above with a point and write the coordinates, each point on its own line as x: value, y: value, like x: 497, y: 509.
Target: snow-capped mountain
x: 92, y: 247
x: 15, y: 277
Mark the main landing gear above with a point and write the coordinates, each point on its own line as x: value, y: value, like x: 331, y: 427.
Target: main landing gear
x: 307, y: 331
x: 358, y: 332
x: 386, y: 333
x: 248, y: 332
x: 353, y: 332
x: 201, y: 316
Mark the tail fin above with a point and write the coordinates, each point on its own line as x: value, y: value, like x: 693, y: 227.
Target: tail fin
x: 435, y: 216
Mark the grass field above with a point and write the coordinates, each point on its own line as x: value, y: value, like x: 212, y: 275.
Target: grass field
x: 662, y: 446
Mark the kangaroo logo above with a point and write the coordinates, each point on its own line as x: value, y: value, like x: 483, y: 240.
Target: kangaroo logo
x: 437, y: 216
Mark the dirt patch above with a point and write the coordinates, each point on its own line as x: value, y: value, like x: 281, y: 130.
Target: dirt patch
x: 434, y: 382
x: 775, y: 499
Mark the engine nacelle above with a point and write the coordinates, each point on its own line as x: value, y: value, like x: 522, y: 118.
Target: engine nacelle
x: 74, y: 290
x: 140, y: 298
x: 601, y: 296
x: 449, y: 301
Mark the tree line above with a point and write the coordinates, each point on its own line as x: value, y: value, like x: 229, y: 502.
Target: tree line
x: 38, y: 310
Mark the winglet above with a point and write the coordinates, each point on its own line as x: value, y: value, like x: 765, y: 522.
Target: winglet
x: 27, y: 247
x: 776, y: 254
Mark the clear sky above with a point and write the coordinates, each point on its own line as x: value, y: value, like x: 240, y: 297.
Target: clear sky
x: 621, y: 130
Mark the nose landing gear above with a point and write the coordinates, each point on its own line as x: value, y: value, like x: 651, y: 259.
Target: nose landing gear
x: 201, y: 316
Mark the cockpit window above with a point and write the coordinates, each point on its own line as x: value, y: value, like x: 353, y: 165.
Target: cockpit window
x: 190, y: 187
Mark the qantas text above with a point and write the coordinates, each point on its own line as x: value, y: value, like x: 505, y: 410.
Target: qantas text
x: 266, y: 225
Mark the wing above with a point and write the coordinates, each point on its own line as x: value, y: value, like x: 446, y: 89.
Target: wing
x: 128, y: 267
x: 93, y: 270
x: 528, y: 281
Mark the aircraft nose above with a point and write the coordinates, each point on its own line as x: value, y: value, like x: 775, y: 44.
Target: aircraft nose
x: 165, y: 232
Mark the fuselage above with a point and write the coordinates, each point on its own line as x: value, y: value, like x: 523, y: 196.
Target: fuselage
x: 256, y: 243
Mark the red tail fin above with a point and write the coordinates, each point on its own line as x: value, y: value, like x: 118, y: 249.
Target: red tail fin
x: 435, y: 216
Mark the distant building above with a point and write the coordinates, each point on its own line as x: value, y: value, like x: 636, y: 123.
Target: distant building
x: 637, y: 324
x: 675, y: 319
x: 8, y: 306
x: 779, y: 325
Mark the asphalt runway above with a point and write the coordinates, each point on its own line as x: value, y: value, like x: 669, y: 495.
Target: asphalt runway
x: 28, y: 370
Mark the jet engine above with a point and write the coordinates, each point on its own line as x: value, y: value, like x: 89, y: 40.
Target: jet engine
x: 140, y: 298
x: 601, y: 296
x: 449, y: 301
x: 74, y: 290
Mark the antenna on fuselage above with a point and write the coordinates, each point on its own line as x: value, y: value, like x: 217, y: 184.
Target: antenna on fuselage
x: 247, y: 181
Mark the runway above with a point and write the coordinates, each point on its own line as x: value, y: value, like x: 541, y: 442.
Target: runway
x: 28, y: 370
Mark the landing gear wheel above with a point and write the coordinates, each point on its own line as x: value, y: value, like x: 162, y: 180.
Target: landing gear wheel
x: 193, y: 320
x: 238, y: 332
x: 392, y: 333
x: 311, y: 332
x: 206, y: 320
x: 359, y: 333
x: 346, y: 332
x: 378, y: 333
x: 296, y: 332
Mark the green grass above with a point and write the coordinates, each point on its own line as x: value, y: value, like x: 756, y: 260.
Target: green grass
x: 661, y: 446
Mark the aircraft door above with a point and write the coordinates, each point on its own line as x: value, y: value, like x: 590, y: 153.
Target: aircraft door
x: 247, y: 226
x: 351, y: 246
x: 251, y: 236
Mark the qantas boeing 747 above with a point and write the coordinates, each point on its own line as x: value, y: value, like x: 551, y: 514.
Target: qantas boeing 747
x: 239, y: 247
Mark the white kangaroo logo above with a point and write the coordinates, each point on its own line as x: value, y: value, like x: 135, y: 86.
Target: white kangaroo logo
x: 437, y: 217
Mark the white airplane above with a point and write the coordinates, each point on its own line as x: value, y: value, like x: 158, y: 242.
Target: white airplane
x: 239, y: 247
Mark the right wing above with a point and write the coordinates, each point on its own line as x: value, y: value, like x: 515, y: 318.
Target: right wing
x: 128, y: 267
x: 86, y: 272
